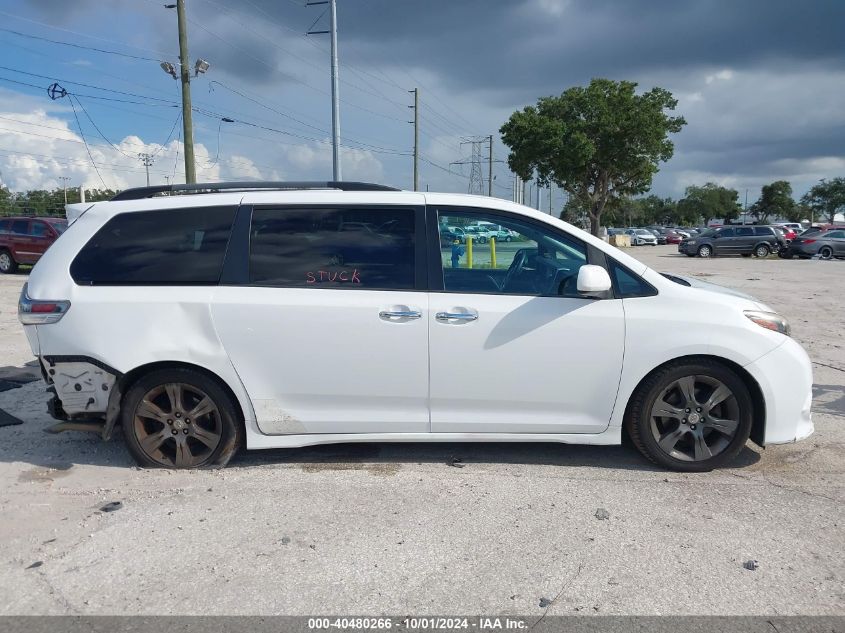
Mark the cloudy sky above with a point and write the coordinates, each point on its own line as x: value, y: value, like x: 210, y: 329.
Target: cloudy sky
x: 760, y: 82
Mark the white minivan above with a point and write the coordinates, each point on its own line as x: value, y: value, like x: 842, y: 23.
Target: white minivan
x: 202, y: 318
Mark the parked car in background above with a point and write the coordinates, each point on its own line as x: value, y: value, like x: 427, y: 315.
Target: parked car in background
x: 642, y: 237
x: 788, y: 233
x: 826, y: 244
x: 734, y: 240
x: 673, y: 237
x: 455, y: 233
x: 24, y: 240
x: 795, y: 227
x: 478, y: 234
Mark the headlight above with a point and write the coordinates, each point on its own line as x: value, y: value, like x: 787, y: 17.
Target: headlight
x: 769, y: 320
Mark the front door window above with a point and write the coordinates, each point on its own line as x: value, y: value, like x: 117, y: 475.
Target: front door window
x: 517, y: 258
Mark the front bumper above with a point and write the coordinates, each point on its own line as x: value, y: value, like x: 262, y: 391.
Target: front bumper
x: 785, y: 376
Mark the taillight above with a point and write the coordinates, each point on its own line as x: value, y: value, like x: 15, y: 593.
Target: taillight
x: 37, y: 312
x: 805, y: 241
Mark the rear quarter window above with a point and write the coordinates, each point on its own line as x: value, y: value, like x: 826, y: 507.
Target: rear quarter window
x: 763, y: 230
x: 162, y: 247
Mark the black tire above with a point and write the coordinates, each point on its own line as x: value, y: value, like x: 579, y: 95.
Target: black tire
x: 761, y: 250
x: 8, y: 265
x: 228, y: 425
x: 746, y: 254
x: 638, y: 416
x: 825, y: 252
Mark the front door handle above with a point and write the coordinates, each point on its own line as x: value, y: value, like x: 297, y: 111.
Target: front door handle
x: 456, y: 316
x: 399, y: 314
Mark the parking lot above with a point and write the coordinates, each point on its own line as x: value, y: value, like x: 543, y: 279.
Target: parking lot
x: 438, y: 529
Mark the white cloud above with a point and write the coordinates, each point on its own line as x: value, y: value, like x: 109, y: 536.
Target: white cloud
x: 723, y: 75
x: 555, y: 8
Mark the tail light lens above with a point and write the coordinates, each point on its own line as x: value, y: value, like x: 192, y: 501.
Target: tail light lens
x: 806, y: 241
x: 39, y: 312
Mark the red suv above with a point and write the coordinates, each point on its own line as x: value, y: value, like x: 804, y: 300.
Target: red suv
x: 24, y: 240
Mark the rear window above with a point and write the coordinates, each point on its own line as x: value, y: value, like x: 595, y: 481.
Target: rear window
x: 168, y: 247
x: 350, y: 248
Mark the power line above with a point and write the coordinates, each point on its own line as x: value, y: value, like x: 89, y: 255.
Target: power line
x: 93, y: 37
x: 89, y: 48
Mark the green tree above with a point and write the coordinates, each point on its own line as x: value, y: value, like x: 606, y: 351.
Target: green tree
x: 709, y: 201
x: 657, y: 210
x: 775, y: 201
x: 826, y: 198
x: 601, y: 143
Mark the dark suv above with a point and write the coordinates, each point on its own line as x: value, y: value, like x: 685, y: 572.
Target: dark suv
x: 734, y: 240
x: 25, y: 240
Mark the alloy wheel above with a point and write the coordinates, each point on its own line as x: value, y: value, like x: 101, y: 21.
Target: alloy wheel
x: 5, y: 262
x: 694, y: 418
x: 826, y: 252
x: 705, y: 251
x: 762, y: 251
x: 177, y: 425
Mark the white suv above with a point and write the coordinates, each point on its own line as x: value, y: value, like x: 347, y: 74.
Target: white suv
x: 244, y: 314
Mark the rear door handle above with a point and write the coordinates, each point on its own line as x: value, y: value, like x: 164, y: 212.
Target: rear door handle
x: 388, y: 315
x: 456, y: 316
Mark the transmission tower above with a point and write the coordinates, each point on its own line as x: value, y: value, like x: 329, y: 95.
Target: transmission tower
x: 474, y: 160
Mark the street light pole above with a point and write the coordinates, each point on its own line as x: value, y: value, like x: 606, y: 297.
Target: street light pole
x: 64, y: 180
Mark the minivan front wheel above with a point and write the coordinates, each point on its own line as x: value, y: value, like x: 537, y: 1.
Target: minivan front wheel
x: 180, y: 418
x: 691, y: 417
x: 8, y: 265
x: 705, y: 251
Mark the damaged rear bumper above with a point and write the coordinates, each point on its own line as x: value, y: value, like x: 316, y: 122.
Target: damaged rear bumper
x: 86, y: 393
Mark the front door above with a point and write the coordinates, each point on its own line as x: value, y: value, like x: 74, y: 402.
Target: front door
x: 329, y: 332
x: 514, y: 348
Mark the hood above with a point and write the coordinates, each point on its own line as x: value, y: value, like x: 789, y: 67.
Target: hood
x: 694, y: 282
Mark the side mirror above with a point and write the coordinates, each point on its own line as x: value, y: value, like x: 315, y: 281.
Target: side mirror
x: 593, y: 279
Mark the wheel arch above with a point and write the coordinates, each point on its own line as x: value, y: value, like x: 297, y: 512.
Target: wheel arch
x: 125, y: 382
x: 758, y: 424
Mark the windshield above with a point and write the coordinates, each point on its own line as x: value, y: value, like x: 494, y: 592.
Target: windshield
x: 707, y: 233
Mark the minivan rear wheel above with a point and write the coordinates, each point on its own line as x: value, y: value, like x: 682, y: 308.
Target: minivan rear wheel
x: 180, y: 418
x: 8, y: 265
x: 691, y: 416
x: 762, y: 251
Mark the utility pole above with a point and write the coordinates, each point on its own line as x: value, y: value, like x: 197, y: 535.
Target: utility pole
x: 336, y: 171
x: 201, y: 66
x: 416, y: 122
x: 147, y: 160
x: 185, y: 75
x: 490, y: 168
x: 64, y: 180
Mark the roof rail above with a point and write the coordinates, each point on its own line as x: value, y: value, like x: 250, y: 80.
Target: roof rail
x: 139, y: 193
